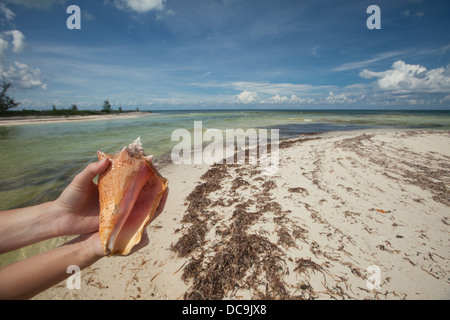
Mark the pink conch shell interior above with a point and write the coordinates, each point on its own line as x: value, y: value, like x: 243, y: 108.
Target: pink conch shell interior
x: 130, y: 191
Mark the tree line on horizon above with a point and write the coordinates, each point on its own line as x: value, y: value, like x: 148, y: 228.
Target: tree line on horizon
x: 7, y: 103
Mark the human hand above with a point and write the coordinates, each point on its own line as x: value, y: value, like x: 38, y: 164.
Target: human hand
x: 78, y: 204
x: 79, y: 207
x: 92, y: 244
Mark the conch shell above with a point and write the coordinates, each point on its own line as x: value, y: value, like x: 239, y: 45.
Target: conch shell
x: 130, y: 191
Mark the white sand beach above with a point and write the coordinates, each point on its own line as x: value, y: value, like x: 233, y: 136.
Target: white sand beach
x: 342, y: 206
x: 16, y: 121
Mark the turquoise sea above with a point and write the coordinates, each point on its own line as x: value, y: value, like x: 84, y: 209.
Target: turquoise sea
x: 38, y: 161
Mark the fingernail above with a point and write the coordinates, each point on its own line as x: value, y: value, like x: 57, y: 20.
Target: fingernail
x: 102, y: 162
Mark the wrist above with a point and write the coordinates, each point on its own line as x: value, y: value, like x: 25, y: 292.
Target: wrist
x: 91, y: 247
x: 58, y: 219
x: 43, y: 221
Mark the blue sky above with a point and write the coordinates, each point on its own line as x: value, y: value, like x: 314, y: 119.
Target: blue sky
x: 176, y: 54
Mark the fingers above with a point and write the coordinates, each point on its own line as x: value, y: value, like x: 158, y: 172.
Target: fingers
x: 88, y: 174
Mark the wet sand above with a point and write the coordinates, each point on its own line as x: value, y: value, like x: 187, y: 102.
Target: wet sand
x: 343, y: 208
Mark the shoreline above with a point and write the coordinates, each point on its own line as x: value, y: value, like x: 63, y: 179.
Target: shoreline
x: 15, y: 121
x: 340, y: 203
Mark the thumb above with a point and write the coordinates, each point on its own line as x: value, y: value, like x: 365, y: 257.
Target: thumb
x: 88, y: 174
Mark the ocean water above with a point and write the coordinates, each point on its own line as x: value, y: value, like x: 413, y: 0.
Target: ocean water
x: 38, y: 161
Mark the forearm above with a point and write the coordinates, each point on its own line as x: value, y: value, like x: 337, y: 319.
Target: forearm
x: 22, y: 227
x: 26, y: 278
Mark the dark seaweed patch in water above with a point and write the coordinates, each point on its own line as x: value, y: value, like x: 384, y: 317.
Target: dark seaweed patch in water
x: 292, y: 130
x: 36, y: 177
x: 6, y: 132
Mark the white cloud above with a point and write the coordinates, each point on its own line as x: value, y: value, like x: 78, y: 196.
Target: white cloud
x: 343, y: 98
x: 140, y: 6
x: 265, y: 88
x: 277, y: 99
x: 364, y: 63
x: 7, y: 13
x: 274, y: 88
x: 247, y: 97
x: 272, y: 93
x: 407, y: 78
x: 18, y: 40
x: 22, y: 76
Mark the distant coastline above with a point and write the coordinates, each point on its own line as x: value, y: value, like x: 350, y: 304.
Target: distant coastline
x: 12, y: 118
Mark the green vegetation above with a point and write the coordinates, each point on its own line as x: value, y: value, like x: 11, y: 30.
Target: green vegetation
x: 58, y: 112
x: 106, y: 106
x: 8, y: 103
x: 5, y: 101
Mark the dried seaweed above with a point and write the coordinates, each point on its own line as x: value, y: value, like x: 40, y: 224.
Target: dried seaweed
x: 299, y: 233
x: 299, y: 190
x: 303, y: 265
x: 217, y: 171
x: 191, y: 240
x: 289, y: 143
x: 226, y: 270
x: 198, y: 204
x: 238, y: 182
x: 284, y: 238
x: 272, y: 207
x: 241, y: 260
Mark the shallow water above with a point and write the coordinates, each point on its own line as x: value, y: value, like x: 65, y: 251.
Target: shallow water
x: 38, y: 161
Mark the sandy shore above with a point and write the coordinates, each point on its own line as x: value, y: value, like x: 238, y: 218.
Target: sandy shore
x: 15, y: 121
x: 344, y: 208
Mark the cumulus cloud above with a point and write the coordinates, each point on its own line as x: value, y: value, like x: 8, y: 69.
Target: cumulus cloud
x: 277, y: 99
x: 342, y: 98
x: 18, y: 40
x: 18, y: 74
x: 247, y: 97
x: 22, y: 76
x: 140, y: 6
x: 408, y: 78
